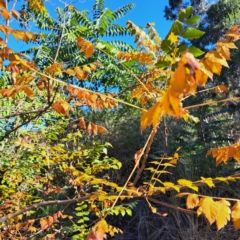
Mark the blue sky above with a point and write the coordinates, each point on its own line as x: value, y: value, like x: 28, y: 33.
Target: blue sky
x: 144, y: 12
x: 141, y: 14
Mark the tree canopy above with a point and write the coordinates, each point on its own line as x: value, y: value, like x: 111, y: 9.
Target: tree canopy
x: 164, y: 104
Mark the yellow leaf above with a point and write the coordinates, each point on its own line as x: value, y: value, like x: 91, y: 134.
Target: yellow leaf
x: 187, y: 183
x: 236, y: 215
x: 192, y: 201
x: 224, y: 51
x: 94, y: 128
x: 87, y: 69
x: 79, y: 73
x: 215, y: 57
x: 173, y: 38
x: 208, y: 181
x: 170, y: 184
x: 214, y: 66
x: 70, y: 72
x: 71, y: 7
x: 30, y: 36
x: 209, y: 208
x: 206, y: 69
x: 226, y: 44
x: 223, y: 213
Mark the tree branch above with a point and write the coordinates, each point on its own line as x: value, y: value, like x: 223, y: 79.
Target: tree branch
x: 140, y: 170
x: 23, y: 113
x: 47, y: 203
x: 171, y: 206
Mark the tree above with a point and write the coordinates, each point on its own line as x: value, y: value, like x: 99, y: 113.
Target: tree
x: 47, y: 167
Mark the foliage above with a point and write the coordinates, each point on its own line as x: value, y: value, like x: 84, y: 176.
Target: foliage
x: 56, y: 179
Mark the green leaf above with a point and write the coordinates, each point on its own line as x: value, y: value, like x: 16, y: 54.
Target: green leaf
x: 104, y: 151
x: 123, y: 212
x: 176, y: 28
x: 182, y: 15
x: 167, y: 46
x: 115, y: 166
x: 192, y: 20
x: 129, y: 212
x: 79, y: 214
x: 162, y: 64
x: 189, y: 11
x: 192, y: 33
x: 182, y: 48
x: 196, y: 52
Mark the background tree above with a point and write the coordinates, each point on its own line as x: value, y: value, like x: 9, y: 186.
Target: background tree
x: 57, y: 180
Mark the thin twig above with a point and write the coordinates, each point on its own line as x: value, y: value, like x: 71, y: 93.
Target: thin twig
x: 22, y: 113
x: 126, y: 68
x: 149, y: 143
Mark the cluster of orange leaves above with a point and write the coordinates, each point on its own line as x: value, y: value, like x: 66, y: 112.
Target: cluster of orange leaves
x: 189, y: 74
x: 223, y: 154
x: 95, y: 129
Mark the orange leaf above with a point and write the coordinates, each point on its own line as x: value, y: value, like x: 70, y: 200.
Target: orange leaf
x: 89, y: 50
x: 43, y: 223
x: 30, y: 36
x: 50, y: 220
x: 152, y: 116
x: 32, y: 229
x: 209, y: 208
x: 82, y: 123
x: 101, y: 129
x: 98, y: 231
x: 61, y: 106
x: 15, y: 14
x: 2, y: 4
x: 5, y: 14
x: 28, y: 91
x: 236, y: 215
x: 94, y: 128
x: 192, y: 201
x: 223, y: 213
x: 89, y: 128
x: 80, y: 41
x: 220, y: 88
